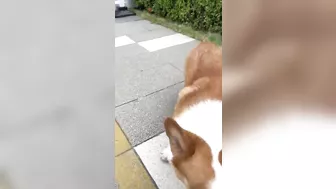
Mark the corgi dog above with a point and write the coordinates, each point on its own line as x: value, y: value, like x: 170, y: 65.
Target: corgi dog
x: 195, y: 128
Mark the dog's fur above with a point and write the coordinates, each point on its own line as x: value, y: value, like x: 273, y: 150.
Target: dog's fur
x: 195, y: 129
x: 279, y: 93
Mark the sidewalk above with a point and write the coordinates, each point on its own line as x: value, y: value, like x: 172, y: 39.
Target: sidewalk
x: 149, y: 73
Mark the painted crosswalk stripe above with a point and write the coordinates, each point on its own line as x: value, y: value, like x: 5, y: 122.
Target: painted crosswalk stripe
x: 165, y: 42
x: 122, y: 41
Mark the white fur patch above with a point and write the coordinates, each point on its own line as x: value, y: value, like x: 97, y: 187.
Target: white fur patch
x: 167, y: 155
x: 293, y: 150
x: 205, y: 120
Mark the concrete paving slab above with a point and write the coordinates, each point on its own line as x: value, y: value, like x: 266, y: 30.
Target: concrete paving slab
x: 143, y: 74
x: 162, y: 173
x: 127, y: 28
x: 127, y: 19
x: 136, y: 57
x: 130, y: 173
x: 134, y: 84
x: 152, y: 26
x: 177, y: 54
x: 128, y: 51
x: 141, y: 61
x: 143, y: 119
x: 121, y: 143
x: 143, y: 36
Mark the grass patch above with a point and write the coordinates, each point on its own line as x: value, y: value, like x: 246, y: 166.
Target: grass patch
x: 181, y: 28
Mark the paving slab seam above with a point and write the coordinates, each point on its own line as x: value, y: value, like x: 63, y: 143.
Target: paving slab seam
x: 148, y: 139
x: 133, y: 146
x: 149, y: 94
x: 155, y: 66
x: 176, y: 67
x: 150, y: 176
x: 124, y: 152
x: 122, y: 131
x: 124, y: 134
x: 162, y: 89
x: 126, y: 103
x: 133, y: 149
x: 138, y: 177
x: 137, y: 156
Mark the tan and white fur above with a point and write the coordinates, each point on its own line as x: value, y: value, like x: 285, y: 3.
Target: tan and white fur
x: 279, y: 94
x: 195, y: 129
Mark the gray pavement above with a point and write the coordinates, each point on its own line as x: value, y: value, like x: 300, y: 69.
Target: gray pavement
x: 147, y: 84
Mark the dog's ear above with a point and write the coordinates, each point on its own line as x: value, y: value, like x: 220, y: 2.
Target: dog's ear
x: 179, y: 139
x: 220, y: 157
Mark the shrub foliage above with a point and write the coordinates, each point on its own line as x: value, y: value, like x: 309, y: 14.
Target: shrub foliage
x: 204, y: 15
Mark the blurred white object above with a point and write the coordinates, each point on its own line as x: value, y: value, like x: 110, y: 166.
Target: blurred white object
x: 120, y: 3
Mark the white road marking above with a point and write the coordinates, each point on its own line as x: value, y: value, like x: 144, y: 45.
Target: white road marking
x: 122, y: 41
x: 165, y: 42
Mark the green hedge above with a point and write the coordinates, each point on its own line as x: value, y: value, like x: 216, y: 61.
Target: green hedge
x: 204, y: 15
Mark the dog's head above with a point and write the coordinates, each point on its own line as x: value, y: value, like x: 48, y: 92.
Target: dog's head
x: 195, y: 162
